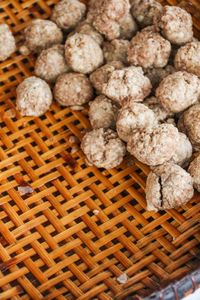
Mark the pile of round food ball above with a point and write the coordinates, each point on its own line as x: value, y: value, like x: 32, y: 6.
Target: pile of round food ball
x: 138, y: 68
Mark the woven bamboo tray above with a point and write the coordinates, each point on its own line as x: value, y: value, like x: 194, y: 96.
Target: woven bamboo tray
x: 81, y: 227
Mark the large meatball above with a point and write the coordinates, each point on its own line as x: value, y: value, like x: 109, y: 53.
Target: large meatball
x: 34, y: 97
x: 7, y: 42
x: 116, y: 50
x: 194, y: 170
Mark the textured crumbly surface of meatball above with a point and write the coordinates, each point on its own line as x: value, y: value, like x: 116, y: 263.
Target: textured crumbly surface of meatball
x: 94, y: 8
x: 103, y: 148
x: 34, y: 97
x: 51, y: 63
x: 128, y: 27
x: 132, y: 116
x: 160, y: 112
x: 88, y: 29
x: 68, y: 13
x: 153, y: 145
x: 189, y: 123
x: 156, y: 75
x: 127, y: 84
x: 168, y: 186
x: 42, y: 34
x: 100, y: 76
x: 183, y: 152
x: 174, y: 23
x: 103, y: 113
x: 148, y: 49
x: 178, y: 91
x: 116, y: 50
x: 194, y: 170
x: 73, y: 89
x: 188, y: 58
x: 82, y: 53
x: 7, y: 42
x: 143, y: 11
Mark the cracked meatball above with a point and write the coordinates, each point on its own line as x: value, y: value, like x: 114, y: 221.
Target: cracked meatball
x: 168, y: 186
x: 42, y: 34
x: 174, y: 23
x: 34, y: 97
x: 148, y: 49
x: 188, y: 58
x: 194, y: 170
x: 143, y: 11
x: 68, y: 13
x: 178, y: 91
x: 100, y: 76
x: 51, y: 63
x: 103, y: 113
x: 82, y: 53
x: 132, y: 116
x: 153, y: 145
x: 73, y: 89
x: 103, y: 148
x: 183, y: 152
x: 116, y: 50
x: 128, y: 27
x: 156, y: 75
x: 127, y: 84
x: 7, y: 42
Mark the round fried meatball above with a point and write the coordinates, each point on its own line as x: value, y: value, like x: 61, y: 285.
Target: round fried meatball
x: 82, y: 53
x: 153, y: 145
x: 42, y: 34
x: 34, y: 97
x: 143, y: 11
x: 194, y: 170
x: 100, y: 76
x: 131, y: 116
x: 148, y: 49
x: 7, y: 42
x: 188, y: 58
x: 189, y: 123
x: 127, y: 84
x: 168, y: 186
x: 183, y: 152
x: 178, y: 91
x: 128, y: 27
x: 68, y: 13
x: 174, y: 23
x: 103, y: 113
x: 73, y: 89
x: 103, y: 148
x: 116, y: 50
x: 156, y: 75
x: 51, y: 63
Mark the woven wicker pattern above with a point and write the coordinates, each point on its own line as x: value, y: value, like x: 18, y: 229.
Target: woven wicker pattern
x: 82, y: 227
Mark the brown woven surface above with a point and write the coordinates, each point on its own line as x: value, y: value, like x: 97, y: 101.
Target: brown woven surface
x: 52, y: 245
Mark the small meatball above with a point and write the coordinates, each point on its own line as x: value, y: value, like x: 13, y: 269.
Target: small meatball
x: 107, y: 19
x: 82, y: 53
x: 51, y: 63
x: 132, y: 116
x: 73, y: 89
x: 103, y: 113
x: 128, y: 27
x: 168, y: 186
x: 156, y: 75
x: 194, y: 170
x: 183, y: 152
x: 188, y: 58
x: 162, y: 115
x: 7, y: 42
x: 103, y: 148
x: 148, y: 49
x: 153, y: 145
x: 189, y: 123
x: 42, y: 34
x: 34, y: 97
x: 127, y: 84
x: 88, y: 29
x: 100, y: 76
x: 178, y: 91
x: 174, y: 23
x: 116, y: 50
x: 143, y: 11
x: 68, y: 13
